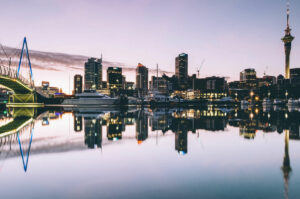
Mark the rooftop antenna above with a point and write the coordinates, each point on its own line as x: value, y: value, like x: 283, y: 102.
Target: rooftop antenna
x: 288, y: 13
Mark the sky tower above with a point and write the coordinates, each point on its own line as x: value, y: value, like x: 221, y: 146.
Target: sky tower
x: 287, y: 39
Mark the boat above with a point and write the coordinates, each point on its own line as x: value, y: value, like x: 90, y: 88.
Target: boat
x: 91, y: 98
x: 278, y: 102
x: 157, y: 97
x: 267, y: 102
x: 244, y: 104
x: 292, y: 102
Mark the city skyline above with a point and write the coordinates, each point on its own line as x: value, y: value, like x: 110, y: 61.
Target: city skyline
x: 226, y: 43
x: 150, y: 99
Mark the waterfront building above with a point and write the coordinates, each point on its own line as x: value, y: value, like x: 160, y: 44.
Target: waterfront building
x: 93, y: 74
x: 142, y: 80
x: 280, y: 79
x: 287, y: 40
x: 181, y: 70
x: 47, y: 90
x: 77, y: 84
x: 211, y: 87
x: 45, y: 85
x: 160, y: 84
x: 266, y: 80
x: 248, y: 77
x: 130, y: 89
x: 104, y: 84
x: 114, y: 78
x: 294, y: 73
x: 130, y: 86
x: 123, y: 82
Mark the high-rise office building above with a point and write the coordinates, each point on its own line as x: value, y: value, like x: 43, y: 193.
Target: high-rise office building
x: 114, y: 78
x: 287, y: 39
x: 142, y: 80
x: 248, y: 76
x: 77, y: 84
x: 160, y: 84
x: 93, y: 74
x: 181, y: 70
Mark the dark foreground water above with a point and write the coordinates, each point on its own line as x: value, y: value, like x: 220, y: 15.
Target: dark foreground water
x: 162, y: 153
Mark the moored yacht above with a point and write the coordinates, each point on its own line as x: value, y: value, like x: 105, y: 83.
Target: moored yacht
x: 292, y: 102
x: 244, y: 104
x: 267, y: 102
x: 278, y: 102
x: 91, y: 97
x: 157, y: 97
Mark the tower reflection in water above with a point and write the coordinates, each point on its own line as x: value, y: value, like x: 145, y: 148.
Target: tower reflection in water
x: 286, y: 166
x: 179, y: 121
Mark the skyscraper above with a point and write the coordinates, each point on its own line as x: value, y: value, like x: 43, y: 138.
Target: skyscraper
x: 142, y: 80
x: 77, y: 84
x: 114, y: 78
x: 287, y: 39
x: 93, y: 74
x: 181, y: 70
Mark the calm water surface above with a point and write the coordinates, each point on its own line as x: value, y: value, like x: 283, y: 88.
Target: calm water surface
x: 161, y: 153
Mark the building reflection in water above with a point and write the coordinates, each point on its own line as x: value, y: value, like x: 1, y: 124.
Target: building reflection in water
x: 184, y: 121
x: 92, y: 132
x: 77, y: 123
x: 141, y: 126
x: 181, y: 141
x: 115, y: 126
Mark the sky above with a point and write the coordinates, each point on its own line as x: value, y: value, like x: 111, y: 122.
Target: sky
x: 230, y: 35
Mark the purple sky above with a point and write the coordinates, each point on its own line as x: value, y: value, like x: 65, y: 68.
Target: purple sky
x: 229, y: 34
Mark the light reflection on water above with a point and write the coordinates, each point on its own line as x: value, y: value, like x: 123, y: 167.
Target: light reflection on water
x: 160, y: 153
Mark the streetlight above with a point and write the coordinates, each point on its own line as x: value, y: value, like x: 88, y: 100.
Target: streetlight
x: 251, y: 94
x: 286, y: 94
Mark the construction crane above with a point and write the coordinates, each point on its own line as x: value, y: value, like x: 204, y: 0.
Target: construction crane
x: 266, y: 69
x: 198, y: 69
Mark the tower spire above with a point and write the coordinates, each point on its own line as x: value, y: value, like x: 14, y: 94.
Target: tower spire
x: 288, y: 15
x: 287, y: 40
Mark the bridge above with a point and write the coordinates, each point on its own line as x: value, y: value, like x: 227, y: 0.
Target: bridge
x: 23, y: 93
x: 20, y: 120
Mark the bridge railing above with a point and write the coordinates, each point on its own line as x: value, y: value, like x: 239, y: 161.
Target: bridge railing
x: 12, y: 73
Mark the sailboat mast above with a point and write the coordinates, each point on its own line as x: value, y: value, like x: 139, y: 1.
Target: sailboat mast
x: 157, y: 77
